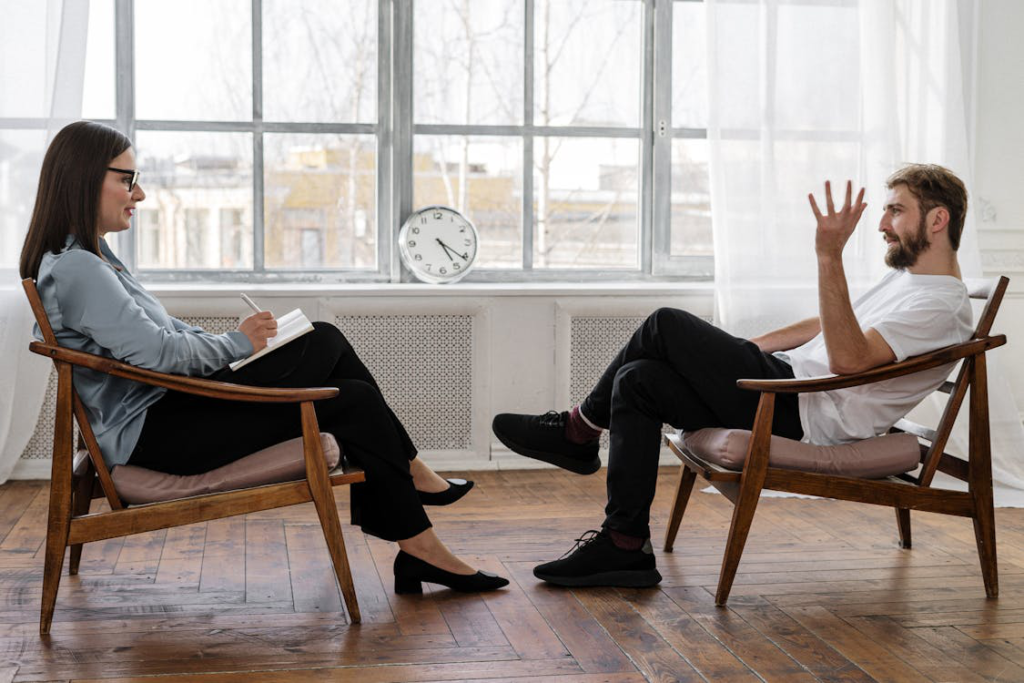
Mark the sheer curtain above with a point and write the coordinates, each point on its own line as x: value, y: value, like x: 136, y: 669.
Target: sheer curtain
x: 802, y: 92
x: 41, y: 81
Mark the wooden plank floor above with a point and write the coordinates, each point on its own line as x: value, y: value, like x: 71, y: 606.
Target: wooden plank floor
x: 823, y: 594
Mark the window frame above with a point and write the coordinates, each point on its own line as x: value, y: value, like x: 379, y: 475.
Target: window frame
x: 395, y: 133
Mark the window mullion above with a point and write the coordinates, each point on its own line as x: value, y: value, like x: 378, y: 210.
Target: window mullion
x: 386, y: 194
x: 661, y: 200
x: 257, y: 139
x: 647, y: 136
x: 402, y: 133
x: 124, y: 58
x: 527, y: 179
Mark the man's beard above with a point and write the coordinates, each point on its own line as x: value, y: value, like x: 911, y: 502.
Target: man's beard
x: 904, y: 254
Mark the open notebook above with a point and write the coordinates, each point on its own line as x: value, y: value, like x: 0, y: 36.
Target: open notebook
x: 289, y: 326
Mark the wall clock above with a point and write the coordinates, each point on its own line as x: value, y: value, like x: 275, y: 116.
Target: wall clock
x: 438, y: 244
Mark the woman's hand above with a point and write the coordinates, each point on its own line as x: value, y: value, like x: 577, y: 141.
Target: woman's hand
x: 259, y: 327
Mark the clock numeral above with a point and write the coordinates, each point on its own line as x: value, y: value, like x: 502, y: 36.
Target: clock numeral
x: 418, y: 257
x: 462, y: 229
x: 467, y: 242
x: 415, y: 231
x: 437, y: 215
x: 443, y: 270
x: 423, y: 219
x: 427, y: 266
x: 412, y: 243
x: 457, y: 266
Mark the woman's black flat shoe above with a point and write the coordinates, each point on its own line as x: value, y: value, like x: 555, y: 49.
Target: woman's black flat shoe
x: 411, y: 572
x: 457, y: 488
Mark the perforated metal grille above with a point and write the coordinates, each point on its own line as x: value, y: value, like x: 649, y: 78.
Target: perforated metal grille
x: 424, y: 366
x: 212, y: 324
x: 40, y: 446
x: 593, y: 343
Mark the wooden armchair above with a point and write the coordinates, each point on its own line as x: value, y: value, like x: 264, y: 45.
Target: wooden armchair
x: 76, y: 475
x: 904, y: 492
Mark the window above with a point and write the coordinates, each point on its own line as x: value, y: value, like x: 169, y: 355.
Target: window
x: 150, y: 234
x: 286, y: 139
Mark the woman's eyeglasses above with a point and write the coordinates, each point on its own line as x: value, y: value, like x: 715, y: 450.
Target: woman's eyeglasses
x: 133, y: 174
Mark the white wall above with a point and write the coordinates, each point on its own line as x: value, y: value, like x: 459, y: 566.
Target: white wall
x: 998, y: 199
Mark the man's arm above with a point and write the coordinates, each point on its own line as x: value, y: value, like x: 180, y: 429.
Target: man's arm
x: 789, y: 337
x: 850, y: 349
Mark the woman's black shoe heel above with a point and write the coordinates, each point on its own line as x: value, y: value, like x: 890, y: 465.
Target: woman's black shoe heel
x: 407, y: 586
x: 411, y: 571
x: 457, y: 488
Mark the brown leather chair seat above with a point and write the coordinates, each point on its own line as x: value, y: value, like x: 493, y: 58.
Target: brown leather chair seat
x: 874, y: 458
x: 280, y: 462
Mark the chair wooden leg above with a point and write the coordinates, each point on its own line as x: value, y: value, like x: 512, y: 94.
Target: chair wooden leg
x: 683, y: 491
x: 985, y: 537
x: 56, y: 542
x: 58, y: 521
x: 80, y: 506
x: 979, y: 476
x: 751, y: 482
x: 327, y: 511
x: 903, y: 522
x: 742, y: 516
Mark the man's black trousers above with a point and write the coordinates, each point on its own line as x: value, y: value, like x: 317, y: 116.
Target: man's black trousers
x: 681, y: 370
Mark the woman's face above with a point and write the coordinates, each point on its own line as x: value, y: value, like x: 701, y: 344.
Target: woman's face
x: 117, y: 202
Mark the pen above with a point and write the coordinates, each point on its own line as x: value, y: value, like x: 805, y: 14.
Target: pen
x: 251, y: 303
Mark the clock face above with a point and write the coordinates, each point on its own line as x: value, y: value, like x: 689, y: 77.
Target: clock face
x: 438, y: 244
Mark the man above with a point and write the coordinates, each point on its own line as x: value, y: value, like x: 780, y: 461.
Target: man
x: 679, y: 369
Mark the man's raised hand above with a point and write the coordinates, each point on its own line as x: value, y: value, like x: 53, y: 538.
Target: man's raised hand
x: 835, y: 227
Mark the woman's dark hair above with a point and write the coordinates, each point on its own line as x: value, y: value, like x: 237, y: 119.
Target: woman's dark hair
x: 67, y: 201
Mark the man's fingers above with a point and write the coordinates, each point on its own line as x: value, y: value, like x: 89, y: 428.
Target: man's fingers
x: 849, y: 195
x: 814, y: 206
x: 828, y: 198
x: 861, y: 208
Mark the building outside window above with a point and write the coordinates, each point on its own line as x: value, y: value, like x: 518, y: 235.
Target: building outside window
x: 147, y: 222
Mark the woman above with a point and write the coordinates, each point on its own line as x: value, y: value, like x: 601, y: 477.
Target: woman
x: 88, y: 187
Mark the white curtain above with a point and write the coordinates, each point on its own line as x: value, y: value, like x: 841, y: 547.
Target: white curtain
x: 42, y: 67
x: 802, y: 92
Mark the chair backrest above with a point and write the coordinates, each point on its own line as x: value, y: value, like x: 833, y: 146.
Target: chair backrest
x: 92, y: 446
x: 991, y: 291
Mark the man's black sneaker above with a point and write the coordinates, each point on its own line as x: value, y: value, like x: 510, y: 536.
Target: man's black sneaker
x: 542, y: 437
x: 596, y: 561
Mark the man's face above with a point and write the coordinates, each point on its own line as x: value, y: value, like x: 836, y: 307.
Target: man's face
x: 904, y: 228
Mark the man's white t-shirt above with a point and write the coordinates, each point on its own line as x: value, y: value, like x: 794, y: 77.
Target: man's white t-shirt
x: 915, y: 314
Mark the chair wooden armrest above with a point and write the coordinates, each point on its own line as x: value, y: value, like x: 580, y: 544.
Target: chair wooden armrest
x: 189, y: 385
x: 926, y: 361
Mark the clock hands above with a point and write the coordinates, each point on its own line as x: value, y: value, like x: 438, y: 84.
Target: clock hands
x: 446, y: 249
x: 449, y: 251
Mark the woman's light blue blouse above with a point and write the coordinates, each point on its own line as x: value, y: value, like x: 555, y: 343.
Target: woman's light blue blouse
x: 97, y: 306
